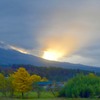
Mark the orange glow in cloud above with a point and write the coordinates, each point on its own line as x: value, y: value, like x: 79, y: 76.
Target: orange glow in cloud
x: 62, y: 38
x: 19, y: 49
x: 51, y: 55
x: 57, y: 47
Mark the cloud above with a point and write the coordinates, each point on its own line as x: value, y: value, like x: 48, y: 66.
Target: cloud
x: 70, y: 27
x: 20, y: 49
x: 73, y: 29
x: 7, y: 46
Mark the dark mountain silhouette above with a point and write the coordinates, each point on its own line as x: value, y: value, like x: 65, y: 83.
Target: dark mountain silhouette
x: 9, y: 57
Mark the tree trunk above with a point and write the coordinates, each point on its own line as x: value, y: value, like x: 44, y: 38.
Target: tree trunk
x: 38, y: 92
x: 11, y: 93
x: 52, y: 92
x: 22, y: 95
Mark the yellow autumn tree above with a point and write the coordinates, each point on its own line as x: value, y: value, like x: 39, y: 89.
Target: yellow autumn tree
x: 23, y: 80
x: 44, y: 79
x: 35, y: 78
x: 92, y: 75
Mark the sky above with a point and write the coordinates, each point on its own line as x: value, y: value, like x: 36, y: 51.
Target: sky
x: 68, y: 28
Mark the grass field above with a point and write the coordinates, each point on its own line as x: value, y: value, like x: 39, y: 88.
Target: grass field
x: 44, y: 96
x: 49, y: 99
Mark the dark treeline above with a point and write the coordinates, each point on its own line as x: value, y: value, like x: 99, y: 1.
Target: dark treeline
x: 51, y: 73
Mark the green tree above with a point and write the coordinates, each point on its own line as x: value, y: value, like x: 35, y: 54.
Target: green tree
x: 3, y: 84
x: 38, y: 89
x: 82, y: 86
x: 10, y: 85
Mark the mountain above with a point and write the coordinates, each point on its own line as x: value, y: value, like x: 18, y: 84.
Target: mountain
x: 9, y: 57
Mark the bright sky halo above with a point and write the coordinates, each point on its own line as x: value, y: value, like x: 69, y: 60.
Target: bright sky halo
x: 51, y: 55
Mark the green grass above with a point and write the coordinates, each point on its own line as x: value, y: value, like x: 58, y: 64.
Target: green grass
x: 48, y: 99
x: 44, y: 96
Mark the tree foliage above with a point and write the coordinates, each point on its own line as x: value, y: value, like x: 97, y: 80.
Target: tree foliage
x: 51, y: 73
x: 3, y: 84
x: 20, y: 81
x: 44, y: 79
x: 82, y: 86
x: 10, y: 85
x: 23, y: 80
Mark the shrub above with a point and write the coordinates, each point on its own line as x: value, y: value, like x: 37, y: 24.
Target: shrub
x: 82, y: 86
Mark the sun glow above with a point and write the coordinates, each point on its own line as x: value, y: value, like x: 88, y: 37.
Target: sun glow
x: 18, y: 49
x: 51, y: 55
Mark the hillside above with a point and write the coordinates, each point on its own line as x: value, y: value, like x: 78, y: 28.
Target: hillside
x: 51, y: 73
x: 10, y: 57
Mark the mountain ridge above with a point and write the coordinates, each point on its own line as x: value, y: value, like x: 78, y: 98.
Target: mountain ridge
x: 10, y: 57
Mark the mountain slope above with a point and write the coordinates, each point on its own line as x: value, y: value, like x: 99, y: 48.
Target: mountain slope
x: 9, y: 57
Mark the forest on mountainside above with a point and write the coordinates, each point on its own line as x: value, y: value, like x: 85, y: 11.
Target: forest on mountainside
x: 51, y: 73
